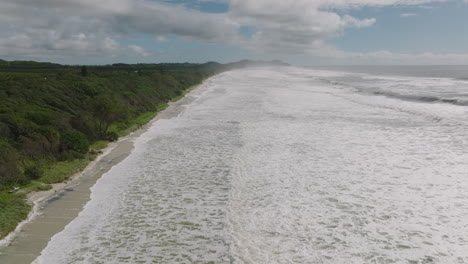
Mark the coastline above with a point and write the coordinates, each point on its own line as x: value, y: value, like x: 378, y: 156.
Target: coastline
x: 65, y: 200
x: 36, y: 198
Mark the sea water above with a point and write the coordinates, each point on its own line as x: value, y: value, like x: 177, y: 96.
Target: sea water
x: 289, y: 165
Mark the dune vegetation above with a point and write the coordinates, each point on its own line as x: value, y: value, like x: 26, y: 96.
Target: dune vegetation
x: 54, y: 119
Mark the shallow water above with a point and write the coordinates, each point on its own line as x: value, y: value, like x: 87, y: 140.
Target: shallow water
x: 284, y: 165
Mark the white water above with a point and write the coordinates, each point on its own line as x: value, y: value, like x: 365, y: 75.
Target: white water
x: 279, y: 166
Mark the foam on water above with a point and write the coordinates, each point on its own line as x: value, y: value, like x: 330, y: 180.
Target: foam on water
x: 282, y: 166
x: 444, y: 90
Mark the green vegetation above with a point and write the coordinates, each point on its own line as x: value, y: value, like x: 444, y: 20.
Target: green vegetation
x: 54, y: 119
x: 124, y: 128
x: 97, y: 145
x: 62, y: 170
x: 50, y: 114
x: 13, y: 209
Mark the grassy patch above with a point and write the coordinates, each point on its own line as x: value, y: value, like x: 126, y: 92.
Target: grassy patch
x: 125, y: 128
x: 98, y: 145
x: 162, y: 106
x: 145, y: 118
x: 44, y: 187
x: 184, y: 92
x: 35, y: 186
x: 61, y: 171
x: 13, y: 209
x: 36, y: 100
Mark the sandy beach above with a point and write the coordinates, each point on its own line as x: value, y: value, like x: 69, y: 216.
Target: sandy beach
x: 54, y: 209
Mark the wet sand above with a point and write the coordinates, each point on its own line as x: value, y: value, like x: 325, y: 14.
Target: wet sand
x: 55, y: 208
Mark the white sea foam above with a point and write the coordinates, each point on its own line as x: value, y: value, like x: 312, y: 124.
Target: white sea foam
x: 281, y: 166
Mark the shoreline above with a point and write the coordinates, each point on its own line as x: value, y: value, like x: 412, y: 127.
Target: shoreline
x: 16, y: 246
x: 37, y: 198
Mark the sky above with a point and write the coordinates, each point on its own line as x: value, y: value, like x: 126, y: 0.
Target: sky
x: 301, y: 32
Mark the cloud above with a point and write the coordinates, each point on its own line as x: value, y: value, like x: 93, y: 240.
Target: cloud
x: 303, y: 26
x: 285, y: 26
x: 408, y: 15
x: 374, y: 3
x: 353, y: 22
x: 161, y: 39
x: 214, y: 1
x: 140, y: 51
x: 90, y: 27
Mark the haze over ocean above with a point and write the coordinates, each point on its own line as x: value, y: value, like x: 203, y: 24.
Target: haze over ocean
x: 288, y: 165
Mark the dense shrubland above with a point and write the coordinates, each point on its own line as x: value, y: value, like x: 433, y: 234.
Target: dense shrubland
x: 51, y: 113
x: 55, y: 118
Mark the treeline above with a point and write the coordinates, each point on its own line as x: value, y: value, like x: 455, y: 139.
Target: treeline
x: 51, y: 112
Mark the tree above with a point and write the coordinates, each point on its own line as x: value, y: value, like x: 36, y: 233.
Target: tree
x: 9, y: 167
x: 106, y: 110
x: 84, y: 71
x: 74, y: 140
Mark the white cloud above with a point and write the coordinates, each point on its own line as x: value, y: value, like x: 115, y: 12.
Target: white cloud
x: 161, y: 39
x: 90, y: 27
x: 377, y: 3
x: 353, y: 22
x: 303, y: 25
x: 285, y: 26
x: 214, y: 1
x: 408, y: 15
x: 140, y: 51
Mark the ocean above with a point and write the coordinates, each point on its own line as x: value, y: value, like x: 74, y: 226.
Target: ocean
x: 290, y: 165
